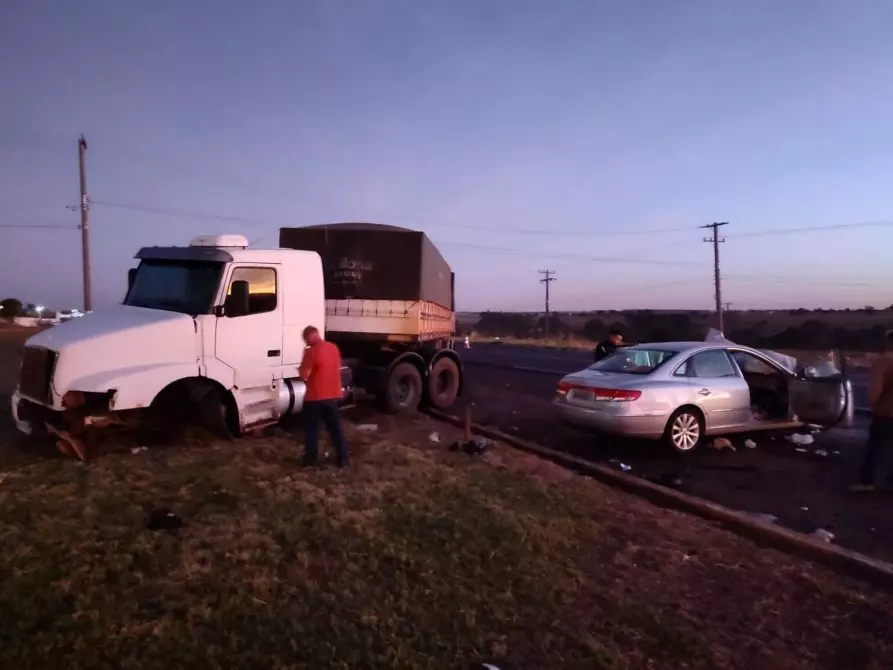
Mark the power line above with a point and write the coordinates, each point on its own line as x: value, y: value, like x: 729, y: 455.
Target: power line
x: 812, y: 229
x: 582, y: 257
x: 40, y: 226
x: 209, y: 216
x: 458, y: 226
x: 184, y: 213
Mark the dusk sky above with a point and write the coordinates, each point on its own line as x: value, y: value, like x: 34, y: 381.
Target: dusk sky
x: 573, y: 135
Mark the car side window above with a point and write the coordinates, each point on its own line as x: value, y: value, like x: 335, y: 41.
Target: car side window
x: 751, y: 365
x: 713, y: 364
x: 262, y: 294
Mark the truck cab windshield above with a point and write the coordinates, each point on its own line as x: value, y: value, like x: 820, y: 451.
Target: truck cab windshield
x: 189, y: 287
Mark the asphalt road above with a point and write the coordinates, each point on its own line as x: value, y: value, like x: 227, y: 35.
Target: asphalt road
x: 557, y: 362
x: 805, y: 490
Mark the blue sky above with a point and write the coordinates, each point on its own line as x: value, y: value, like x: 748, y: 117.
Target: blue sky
x: 588, y: 124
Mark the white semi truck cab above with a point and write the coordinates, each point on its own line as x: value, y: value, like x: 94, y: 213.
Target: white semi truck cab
x: 212, y: 332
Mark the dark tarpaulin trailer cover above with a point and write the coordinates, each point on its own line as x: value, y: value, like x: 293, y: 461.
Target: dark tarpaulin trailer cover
x: 369, y: 261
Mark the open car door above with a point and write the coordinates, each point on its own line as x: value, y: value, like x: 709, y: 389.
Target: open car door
x: 821, y: 394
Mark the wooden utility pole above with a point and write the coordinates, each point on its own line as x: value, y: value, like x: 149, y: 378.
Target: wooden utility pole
x: 548, y: 278
x: 85, y: 225
x: 717, y: 283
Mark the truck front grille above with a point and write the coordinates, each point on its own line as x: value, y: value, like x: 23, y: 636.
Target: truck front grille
x: 38, y: 365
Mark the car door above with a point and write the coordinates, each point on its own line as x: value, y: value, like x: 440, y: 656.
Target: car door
x: 822, y: 394
x: 251, y: 344
x: 718, y: 388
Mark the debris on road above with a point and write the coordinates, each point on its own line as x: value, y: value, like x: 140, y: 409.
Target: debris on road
x: 139, y: 450
x: 804, y: 508
x: 800, y: 439
x: 623, y: 467
x: 750, y: 444
x: 820, y: 452
x: 822, y: 534
x: 722, y: 443
x: 475, y: 447
x: 367, y: 427
x: 434, y: 437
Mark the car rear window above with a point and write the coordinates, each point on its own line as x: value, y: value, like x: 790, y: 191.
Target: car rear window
x: 633, y: 361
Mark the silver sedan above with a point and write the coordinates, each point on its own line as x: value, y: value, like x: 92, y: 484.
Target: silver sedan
x: 683, y: 392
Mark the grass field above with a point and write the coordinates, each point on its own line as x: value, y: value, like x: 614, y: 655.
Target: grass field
x: 418, y: 557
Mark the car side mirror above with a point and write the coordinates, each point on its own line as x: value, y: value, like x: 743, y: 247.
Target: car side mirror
x: 131, y: 277
x: 237, y: 300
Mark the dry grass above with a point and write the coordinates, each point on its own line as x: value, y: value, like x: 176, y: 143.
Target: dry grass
x: 419, y: 557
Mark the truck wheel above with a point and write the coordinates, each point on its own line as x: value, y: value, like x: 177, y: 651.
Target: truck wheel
x: 403, y: 392
x: 443, y: 383
x: 212, y: 414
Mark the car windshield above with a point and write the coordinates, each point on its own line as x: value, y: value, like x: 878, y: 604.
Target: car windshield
x: 633, y: 361
x: 188, y: 287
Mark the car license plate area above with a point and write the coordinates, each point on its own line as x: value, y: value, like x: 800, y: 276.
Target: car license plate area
x: 581, y: 396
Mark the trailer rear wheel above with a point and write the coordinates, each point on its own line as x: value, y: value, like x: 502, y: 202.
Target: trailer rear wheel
x: 443, y: 383
x: 403, y: 391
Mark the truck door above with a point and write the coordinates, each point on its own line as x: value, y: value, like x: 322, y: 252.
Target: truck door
x: 251, y: 344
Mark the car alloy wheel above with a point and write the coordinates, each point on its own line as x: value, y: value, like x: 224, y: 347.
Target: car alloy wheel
x: 685, y: 431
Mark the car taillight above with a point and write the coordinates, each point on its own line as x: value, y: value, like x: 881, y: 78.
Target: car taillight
x: 617, y: 395
x: 614, y: 395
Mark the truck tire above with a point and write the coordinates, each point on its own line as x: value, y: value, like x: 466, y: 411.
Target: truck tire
x: 403, y: 389
x: 212, y: 414
x: 443, y: 383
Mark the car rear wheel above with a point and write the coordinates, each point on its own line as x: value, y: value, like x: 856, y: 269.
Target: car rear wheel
x: 685, y: 431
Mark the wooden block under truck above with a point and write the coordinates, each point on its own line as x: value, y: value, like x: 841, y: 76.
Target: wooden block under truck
x: 211, y: 333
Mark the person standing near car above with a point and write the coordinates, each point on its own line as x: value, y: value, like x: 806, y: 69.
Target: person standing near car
x: 321, y: 372
x: 880, y: 432
x: 609, y: 346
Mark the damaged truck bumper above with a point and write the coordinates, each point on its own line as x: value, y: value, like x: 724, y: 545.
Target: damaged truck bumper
x: 70, y: 424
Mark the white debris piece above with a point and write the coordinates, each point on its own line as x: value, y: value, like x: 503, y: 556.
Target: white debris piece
x: 367, y: 427
x: 802, y: 440
x: 750, y: 444
x: 822, y: 534
x: 434, y: 437
x: 139, y: 450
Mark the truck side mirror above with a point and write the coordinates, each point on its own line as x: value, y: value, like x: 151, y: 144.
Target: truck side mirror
x: 237, y: 300
x: 131, y: 276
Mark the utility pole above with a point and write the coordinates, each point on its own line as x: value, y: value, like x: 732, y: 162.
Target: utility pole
x: 85, y: 227
x: 548, y: 278
x: 717, y: 283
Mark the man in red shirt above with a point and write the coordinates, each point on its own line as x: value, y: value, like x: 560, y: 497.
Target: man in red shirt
x: 321, y: 372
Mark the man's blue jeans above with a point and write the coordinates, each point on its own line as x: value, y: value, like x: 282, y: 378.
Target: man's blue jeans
x: 327, y: 412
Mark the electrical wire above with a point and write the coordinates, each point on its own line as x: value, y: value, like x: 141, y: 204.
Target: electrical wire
x: 41, y: 226
x: 812, y: 229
